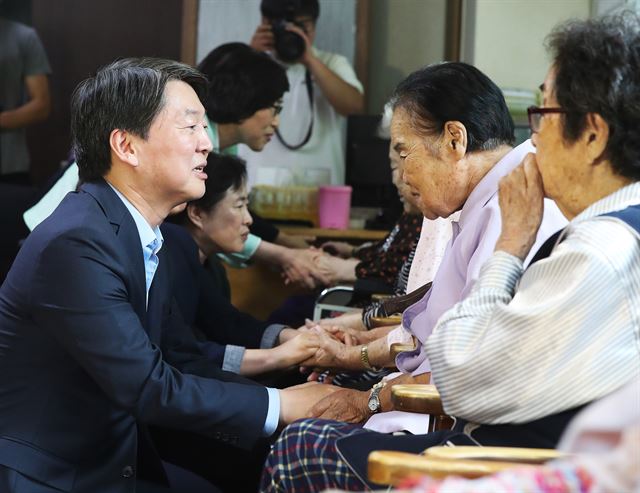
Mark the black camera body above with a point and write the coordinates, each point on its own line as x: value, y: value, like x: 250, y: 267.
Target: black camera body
x: 289, y: 46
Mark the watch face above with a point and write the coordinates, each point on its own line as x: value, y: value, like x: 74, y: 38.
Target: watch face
x: 374, y: 403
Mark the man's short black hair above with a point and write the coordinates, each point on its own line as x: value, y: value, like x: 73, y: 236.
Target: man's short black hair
x: 289, y: 9
x: 455, y: 91
x: 597, y: 70
x: 241, y: 81
x: 126, y: 94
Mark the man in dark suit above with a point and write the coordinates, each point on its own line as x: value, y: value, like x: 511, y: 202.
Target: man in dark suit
x: 85, y: 309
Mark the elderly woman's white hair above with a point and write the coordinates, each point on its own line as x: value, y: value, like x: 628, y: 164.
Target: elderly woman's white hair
x: 384, y: 127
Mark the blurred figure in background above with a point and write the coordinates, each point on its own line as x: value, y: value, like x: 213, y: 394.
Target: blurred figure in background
x: 24, y: 95
x: 323, y: 88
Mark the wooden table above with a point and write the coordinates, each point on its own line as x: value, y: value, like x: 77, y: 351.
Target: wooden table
x: 259, y: 289
x: 360, y: 235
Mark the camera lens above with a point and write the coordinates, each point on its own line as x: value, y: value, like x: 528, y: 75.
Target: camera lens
x: 289, y: 45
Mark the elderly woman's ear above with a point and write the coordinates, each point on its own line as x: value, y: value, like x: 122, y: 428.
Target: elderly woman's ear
x: 455, y: 135
x: 596, y: 134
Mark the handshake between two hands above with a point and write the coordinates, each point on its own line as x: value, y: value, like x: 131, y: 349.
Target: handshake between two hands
x: 313, y: 267
x: 326, y: 348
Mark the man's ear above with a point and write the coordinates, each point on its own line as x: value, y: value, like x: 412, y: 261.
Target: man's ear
x: 122, y: 145
x: 595, y: 136
x: 194, y: 213
x: 455, y: 139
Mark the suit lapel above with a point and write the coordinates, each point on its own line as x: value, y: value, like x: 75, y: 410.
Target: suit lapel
x: 128, y: 237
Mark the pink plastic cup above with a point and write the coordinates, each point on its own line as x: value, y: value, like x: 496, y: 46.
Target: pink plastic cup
x: 334, y: 205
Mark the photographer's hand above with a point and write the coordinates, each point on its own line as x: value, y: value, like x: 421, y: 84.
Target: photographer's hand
x: 307, y: 57
x: 262, y: 39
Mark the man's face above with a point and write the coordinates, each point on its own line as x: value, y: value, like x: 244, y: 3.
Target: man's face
x: 257, y: 130
x: 173, y: 157
x: 561, y: 164
x: 434, y: 183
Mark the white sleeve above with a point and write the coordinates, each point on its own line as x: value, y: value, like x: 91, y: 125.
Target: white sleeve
x: 507, y: 355
x: 339, y: 65
x: 47, y: 204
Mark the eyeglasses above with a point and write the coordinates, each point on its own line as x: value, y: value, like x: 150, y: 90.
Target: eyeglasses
x: 277, y: 108
x: 535, y: 115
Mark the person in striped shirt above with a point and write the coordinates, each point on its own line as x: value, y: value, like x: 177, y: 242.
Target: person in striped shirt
x: 527, y: 349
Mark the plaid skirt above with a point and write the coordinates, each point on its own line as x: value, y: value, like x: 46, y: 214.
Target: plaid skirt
x: 305, y: 459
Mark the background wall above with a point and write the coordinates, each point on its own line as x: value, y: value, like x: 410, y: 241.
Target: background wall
x: 405, y: 35
x: 503, y: 37
x: 507, y: 40
x: 79, y: 37
x: 335, y: 29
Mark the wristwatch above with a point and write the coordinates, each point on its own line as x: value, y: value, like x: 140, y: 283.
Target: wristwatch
x: 374, y: 400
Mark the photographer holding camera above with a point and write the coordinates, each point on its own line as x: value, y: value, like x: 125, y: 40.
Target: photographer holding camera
x: 323, y: 89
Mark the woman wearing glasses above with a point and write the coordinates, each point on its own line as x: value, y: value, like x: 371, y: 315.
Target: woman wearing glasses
x: 529, y: 346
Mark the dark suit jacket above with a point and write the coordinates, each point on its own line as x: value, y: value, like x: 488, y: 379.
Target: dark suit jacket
x: 202, y: 302
x: 80, y: 358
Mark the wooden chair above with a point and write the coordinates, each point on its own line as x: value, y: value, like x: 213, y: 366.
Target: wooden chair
x: 424, y: 399
x: 386, y: 321
x: 390, y: 467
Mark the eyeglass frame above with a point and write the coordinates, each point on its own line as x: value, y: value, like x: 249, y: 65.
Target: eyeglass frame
x: 277, y: 108
x: 536, y: 112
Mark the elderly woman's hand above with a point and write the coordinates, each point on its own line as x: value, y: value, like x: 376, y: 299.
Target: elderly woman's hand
x: 521, y: 198
x: 338, y: 248
x: 299, y: 267
x: 334, y: 269
x: 335, y: 351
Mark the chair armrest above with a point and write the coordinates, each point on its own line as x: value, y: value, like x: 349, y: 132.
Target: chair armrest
x: 417, y: 398
x: 501, y: 454
x: 398, y: 304
x: 380, y: 296
x: 385, y: 321
x: 398, y: 347
x: 390, y: 467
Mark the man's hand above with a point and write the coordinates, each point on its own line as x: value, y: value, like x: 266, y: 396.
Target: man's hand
x: 345, y: 405
x: 296, y: 401
x: 262, y: 39
x: 521, y: 207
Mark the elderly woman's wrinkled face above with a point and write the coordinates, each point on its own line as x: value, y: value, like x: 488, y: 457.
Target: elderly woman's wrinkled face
x: 561, y: 164
x: 408, y: 200
x: 432, y: 180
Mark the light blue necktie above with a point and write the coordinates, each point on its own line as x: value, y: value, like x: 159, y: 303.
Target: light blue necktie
x: 150, y: 262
